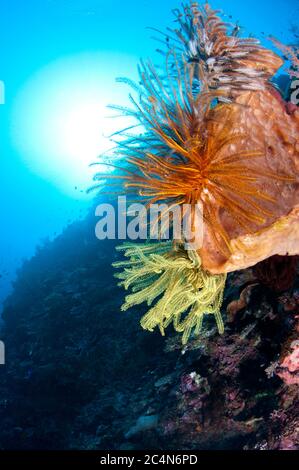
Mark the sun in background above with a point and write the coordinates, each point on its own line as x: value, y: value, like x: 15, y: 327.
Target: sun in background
x: 60, y: 120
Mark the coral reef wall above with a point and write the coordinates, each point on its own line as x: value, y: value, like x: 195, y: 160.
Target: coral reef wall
x: 80, y: 374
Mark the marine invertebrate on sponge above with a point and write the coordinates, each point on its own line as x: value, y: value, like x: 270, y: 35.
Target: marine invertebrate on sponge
x: 216, y: 133
x: 194, y: 152
x: 224, y: 64
x: 174, y: 278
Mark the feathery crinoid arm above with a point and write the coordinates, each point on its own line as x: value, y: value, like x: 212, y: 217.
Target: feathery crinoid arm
x: 173, y: 284
x: 193, y: 148
x: 224, y: 63
x: 291, y: 53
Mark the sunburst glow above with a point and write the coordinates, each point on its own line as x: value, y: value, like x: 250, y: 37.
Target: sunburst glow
x: 61, y: 123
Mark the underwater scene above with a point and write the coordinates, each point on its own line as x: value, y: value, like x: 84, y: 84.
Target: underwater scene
x: 149, y: 260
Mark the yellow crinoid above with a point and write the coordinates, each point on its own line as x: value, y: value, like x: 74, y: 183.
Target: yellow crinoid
x: 172, y: 279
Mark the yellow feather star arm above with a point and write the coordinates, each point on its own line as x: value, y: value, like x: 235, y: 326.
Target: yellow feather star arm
x: 174, y: 279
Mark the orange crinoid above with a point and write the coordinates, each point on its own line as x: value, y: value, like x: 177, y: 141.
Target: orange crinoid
x: 202, y: 153
x: 217, y: 132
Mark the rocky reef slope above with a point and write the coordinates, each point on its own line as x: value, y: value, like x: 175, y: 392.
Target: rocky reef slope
x: 80, y: 374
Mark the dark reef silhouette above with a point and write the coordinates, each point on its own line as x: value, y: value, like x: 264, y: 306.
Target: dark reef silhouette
x: 81, y: 375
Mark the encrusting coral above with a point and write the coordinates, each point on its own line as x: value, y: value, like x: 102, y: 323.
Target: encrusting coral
x: 216, y: 132
x: 174, y: 276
